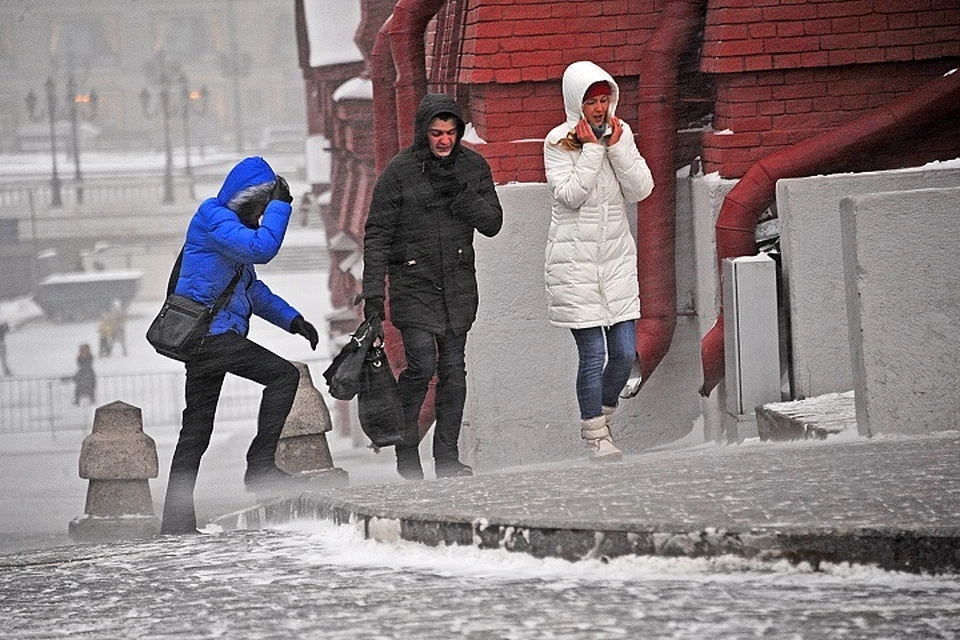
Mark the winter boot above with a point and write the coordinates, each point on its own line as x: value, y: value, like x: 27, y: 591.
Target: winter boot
x: 452, y: 469
x: 408, y: 462
x: 599, y: 443
x: 607, y: 413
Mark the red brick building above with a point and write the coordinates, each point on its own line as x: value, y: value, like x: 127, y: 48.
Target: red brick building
x: 718, y: 84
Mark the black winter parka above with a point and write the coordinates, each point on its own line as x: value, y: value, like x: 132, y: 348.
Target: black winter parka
x: 420, y: 227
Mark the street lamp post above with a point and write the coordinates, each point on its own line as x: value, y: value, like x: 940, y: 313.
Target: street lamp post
x: 236, y: 67
x: 163, y: 110
x: 56, y: 199
x: 190, y: 101
x: 73, y: 101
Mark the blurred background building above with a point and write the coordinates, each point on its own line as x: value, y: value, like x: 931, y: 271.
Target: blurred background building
x: 241, y: 52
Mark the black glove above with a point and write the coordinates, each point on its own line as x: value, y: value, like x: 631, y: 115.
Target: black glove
x: 305, y: 329
x: 373, y: 306
x: 281, y: 190
x: 449, y: 188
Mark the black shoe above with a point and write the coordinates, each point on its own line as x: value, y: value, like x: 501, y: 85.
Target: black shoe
x: 268, y: 479
x: 452, y: 469
x: 408, y: 463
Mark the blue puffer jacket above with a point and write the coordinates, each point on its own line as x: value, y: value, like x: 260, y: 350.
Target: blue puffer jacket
x: 218, y: 243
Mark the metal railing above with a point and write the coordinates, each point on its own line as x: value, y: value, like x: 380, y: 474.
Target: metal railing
x: 103, y: 195
x: 35, y: 405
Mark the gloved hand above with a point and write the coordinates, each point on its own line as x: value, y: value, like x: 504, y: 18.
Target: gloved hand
x: 281, y: 190
x: 373, y: 306
x: 305, y: 329
x: 449, y: 188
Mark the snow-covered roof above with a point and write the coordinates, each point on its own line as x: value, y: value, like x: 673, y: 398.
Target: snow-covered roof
x: 331, y: 26
x: 354, y: 89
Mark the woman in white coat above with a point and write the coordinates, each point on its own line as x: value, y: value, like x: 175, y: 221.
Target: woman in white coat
x: 593, y: 169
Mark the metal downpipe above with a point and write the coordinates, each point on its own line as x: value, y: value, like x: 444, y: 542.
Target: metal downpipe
x: 656, y: 215
x: 736, y: 224
x: 382, y: 77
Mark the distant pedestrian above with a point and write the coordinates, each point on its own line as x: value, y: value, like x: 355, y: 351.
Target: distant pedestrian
x: 105, y: 332
x: 242, y: 226
x: 593, y: 169
x: 309, y: 208
x: 85, y: 379
x: 426, y: 207
x: 118, y: 320
x: 4, y: 330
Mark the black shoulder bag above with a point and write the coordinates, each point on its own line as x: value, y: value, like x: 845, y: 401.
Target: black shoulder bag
x: 179, y: 329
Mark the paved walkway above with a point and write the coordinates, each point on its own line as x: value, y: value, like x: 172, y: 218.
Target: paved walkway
x: 893, y: 502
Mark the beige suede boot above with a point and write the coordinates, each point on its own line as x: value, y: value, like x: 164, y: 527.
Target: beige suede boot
x: 599, y: 443
x: 607, y: 412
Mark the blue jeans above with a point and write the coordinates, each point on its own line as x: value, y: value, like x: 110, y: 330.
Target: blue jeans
x: 606, y: 356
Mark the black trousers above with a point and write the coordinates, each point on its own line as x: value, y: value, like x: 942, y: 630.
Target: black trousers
x: 225, y: 353
x: 426, y: 354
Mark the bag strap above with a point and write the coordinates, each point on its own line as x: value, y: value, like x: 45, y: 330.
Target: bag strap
x: 175, y: 273
x: 222, y: 300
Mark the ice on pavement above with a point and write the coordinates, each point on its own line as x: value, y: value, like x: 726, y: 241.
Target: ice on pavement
x: 319, y: 580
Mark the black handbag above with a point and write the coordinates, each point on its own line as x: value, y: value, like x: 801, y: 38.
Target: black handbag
x: 379, y: 405
x: 179, y: 329
x: 343, y: 374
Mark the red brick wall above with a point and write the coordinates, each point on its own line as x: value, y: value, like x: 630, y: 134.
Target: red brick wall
x: 513, y: 55
x: 754, y: 35
x: 788, y: 71
x: 508, y: 41
x: 763, y: 112
x: 783, y: 70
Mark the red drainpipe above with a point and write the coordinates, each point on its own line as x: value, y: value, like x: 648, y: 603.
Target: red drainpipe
x: 736, y: 224
x: 399, y: 77
x: 382, y: 76
x: 407, y: 29
x: 656, y: 216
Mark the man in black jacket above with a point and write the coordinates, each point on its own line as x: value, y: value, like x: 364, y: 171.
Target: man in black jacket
x: 419, y: 234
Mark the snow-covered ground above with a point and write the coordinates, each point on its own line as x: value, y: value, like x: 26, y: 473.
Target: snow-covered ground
x: 318, y: 580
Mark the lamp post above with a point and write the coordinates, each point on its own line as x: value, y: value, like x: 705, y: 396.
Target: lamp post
x: 56, y: 199
x: 162, y: 108
x: 236, y: 67
x: 74, y: 100
x: 190, y: 101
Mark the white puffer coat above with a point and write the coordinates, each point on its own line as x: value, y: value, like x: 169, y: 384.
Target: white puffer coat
x: 591, y: 256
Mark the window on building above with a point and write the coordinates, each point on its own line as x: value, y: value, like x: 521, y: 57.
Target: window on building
x: 181, y: 36
x: 84, y: 40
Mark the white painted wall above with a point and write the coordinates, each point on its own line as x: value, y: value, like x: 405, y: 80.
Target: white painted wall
x: 902, y: 291
x: 521, y: 404
x: 521, y: 401
x: 810, y: 219
x: 708, y: 193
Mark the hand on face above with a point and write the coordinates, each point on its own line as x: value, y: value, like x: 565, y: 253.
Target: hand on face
x: 617, y: 130
x: 584, y: 132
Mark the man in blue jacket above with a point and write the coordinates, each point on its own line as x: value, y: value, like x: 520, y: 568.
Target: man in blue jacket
x: 243, y: 226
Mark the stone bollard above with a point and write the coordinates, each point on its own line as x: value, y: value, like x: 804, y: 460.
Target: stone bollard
x: 303, y: 450
x: 118, y: 459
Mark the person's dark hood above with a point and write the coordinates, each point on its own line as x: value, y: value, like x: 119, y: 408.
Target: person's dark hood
x: 431, y: 106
